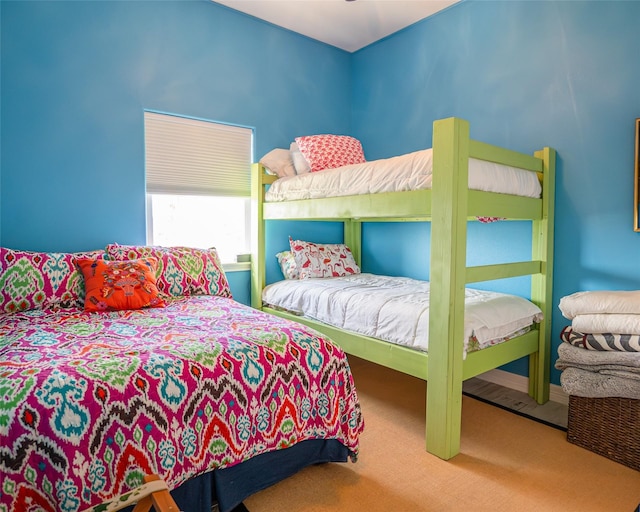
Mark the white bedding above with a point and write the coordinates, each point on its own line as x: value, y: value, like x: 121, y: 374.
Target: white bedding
x: 602, y: 323
x: 411, y: 171
x: 396, y: 309
x: 605, y: 302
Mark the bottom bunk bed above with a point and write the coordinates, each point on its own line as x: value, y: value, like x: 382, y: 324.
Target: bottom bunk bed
x: 444, y: 198
x: 218, y: 399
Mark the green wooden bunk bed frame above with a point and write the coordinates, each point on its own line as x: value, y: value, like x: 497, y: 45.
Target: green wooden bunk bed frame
x: 448, y: 206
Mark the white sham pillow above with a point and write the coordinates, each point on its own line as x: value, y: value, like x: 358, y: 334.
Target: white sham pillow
x: 288, y: 265
x: 299, y: 161
x: 279, y: 162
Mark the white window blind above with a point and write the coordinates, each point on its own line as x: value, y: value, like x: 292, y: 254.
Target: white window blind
x: 193, y: 157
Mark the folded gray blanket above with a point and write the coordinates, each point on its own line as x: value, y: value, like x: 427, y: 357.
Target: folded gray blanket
x: 577, y: 382
x: 625, y: 364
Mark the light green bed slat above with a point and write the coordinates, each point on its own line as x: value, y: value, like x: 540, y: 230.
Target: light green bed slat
x: 491, y: 357
x: 447, y: 276
x: 413, y: 203
x: 490, y: 204
x: 353, y: 239
x: 502, y: 271
x: 258, y: 181
x: 484, y: 151
x: 399, y: 358
x: 410, y: 361
x: 400, y: 206
x: 541, y: 284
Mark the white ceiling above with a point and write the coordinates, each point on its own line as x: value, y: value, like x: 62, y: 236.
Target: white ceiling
x: 349, y: 25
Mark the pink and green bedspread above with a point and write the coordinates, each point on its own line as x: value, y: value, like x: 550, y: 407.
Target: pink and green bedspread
x: 89, y: 402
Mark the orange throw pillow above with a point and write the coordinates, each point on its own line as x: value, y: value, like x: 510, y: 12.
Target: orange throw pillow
x: 117, y: 285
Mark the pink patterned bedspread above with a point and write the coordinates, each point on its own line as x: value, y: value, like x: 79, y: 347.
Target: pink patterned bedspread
x: 91, y: 401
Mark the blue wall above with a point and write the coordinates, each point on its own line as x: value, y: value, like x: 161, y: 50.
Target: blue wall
x: 77, y: 76
x: 526, y: 75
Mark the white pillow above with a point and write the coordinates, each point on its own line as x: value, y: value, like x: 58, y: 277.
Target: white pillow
x: 278, y: 161
x: 288, y: 265
x: 299, y: 161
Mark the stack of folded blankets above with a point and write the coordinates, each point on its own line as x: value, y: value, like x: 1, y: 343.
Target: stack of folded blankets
x: 600, y: 353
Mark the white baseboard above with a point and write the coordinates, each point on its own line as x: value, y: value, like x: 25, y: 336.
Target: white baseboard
x: 520, y: 383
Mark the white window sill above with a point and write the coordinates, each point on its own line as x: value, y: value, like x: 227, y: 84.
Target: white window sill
x: 236, y: 267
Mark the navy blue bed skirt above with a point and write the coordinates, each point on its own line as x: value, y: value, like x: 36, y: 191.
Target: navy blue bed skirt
x: 230, y: 486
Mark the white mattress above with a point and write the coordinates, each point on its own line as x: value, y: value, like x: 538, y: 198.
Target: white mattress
x: 411, y: 171
x: 396, y: 309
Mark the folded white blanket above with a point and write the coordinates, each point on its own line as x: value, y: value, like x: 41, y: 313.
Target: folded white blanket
x: 607, y: 323
x: 600, y: 302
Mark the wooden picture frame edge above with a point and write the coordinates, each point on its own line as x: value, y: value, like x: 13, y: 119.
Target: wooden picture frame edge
x: 636, y: 179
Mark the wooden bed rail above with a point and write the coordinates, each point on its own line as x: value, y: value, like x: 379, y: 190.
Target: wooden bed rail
x: 153, y: 494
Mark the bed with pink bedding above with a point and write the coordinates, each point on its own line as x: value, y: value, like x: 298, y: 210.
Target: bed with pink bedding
x: 91, y: 401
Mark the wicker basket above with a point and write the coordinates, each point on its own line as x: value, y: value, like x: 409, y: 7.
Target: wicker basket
x: 606, y: 426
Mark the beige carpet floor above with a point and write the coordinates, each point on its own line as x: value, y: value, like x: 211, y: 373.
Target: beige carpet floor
x: 507, y: 463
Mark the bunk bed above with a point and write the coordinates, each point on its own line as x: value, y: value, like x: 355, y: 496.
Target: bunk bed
x: 449, y: 204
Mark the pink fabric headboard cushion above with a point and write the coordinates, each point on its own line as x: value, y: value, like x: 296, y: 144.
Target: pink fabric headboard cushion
x: 181, y: 270
x: 41, y: 280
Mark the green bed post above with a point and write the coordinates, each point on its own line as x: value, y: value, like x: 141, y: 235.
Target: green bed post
x: 257, y: 236
x: 353, y: 239
x: 447, y: 277
x: 541, y: 284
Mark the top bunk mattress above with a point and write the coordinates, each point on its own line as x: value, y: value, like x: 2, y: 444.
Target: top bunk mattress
x: 396, y: 309
x: 411, y: 171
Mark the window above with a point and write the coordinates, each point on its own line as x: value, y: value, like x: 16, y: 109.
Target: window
x: 198, y: 184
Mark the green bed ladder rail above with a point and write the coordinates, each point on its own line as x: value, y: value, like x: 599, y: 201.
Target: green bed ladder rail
x: 448, y: 277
